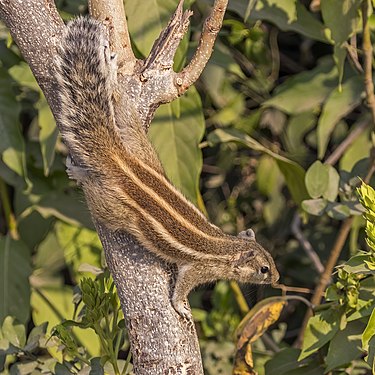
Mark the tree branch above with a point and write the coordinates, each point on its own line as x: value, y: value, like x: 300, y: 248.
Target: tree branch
x: 306, y: 245
x: 211, y: 28
x: 162, y: 342
x: 112, y: 14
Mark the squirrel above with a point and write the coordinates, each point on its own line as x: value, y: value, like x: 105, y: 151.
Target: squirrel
x: 124, y: 182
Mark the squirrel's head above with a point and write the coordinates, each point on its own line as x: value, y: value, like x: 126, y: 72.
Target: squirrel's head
x: 254, y: 264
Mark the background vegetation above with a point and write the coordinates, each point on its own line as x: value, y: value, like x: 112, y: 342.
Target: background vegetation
x: 276, y: 136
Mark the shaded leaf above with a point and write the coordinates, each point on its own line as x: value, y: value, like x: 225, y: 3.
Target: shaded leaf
x: 305, y: 91
x: 338, y: 211
x: 47, y: 134
x: 340, y: 16
x: 288, y: 15
x: 346, y: 341
x: 15, y: 269
x: 177, y: 143
x: 96, y: 367
x: 12, y: 145
x: 316, y: 179
x: 285, y: 362
x: 293, y: 173
x: 314, y: 206
x: 338, y: 105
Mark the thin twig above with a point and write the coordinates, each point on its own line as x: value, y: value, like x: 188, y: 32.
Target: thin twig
x: 344, y: 145
x: 367, y: 61
x: 306, y: 245
x: 326, y: 275
x: 112, y: 14
x: 295, y: 289
x: 211, y: 28
x: 275, y: 53
x: 353, y: 53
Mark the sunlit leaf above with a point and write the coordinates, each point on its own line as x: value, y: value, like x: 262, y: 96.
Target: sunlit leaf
x: 52, y: 305
x: 14, y: 332
x: 369, y: 331
x: 320, y: 329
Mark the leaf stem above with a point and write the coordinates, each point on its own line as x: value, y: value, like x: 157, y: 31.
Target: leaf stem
x: 8, y: 214
x: 241, y: 301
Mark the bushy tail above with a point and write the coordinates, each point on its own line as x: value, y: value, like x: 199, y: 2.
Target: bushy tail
x: 86, y: 77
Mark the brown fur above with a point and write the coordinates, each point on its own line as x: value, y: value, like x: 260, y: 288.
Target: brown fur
x: 124, y: 182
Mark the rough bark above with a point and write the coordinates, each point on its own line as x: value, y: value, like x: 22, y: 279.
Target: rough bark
x: 161, y: 341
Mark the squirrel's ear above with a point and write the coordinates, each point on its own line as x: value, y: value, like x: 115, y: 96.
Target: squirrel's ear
x: 243, y: 257
x: 247, y: 234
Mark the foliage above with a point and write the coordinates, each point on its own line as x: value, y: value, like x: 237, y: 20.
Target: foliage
x: 96, y: 307
x: 287, y: 135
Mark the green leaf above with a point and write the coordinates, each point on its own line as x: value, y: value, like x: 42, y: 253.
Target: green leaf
x: 287, y: 15
x: 338, y: 105
x: 12, y: 145
x: 338, y: 211
x: 316, y: 179
x: 340, y: 16
x: 333, y: 184
x: 293, y: 173
x: 358, y: 150
x: 320, y: 329
x: 15, y: 270
x: 176, y: 141
x: 369, y: 331
x: 80, y: 246
x: 14, y: 332
x: 344, y: 347
x: 305, y: 91
x: 314, y: 206
x: 47, y: 134
x: 298, y: 126
x: 53, y: 305
x: 286, y: 362
x: 24, y: 76
x: 96, y: 367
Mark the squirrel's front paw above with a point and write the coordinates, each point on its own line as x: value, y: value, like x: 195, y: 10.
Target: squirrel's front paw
x: 182, y: 308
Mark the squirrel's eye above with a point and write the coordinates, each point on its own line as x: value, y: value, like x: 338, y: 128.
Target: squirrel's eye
x: 264, y: 269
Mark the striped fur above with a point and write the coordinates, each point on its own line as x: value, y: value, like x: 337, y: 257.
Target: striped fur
x: 124, y: 182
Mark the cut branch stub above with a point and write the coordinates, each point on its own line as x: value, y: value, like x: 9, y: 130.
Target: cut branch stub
x: 164, y: 48
x: 154, y: 82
